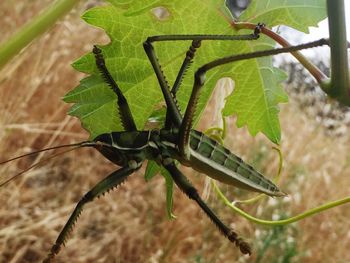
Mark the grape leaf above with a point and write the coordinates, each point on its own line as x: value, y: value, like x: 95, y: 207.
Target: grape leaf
x: 152, y: 170
x: 128, y: 23
x: 291, y: 13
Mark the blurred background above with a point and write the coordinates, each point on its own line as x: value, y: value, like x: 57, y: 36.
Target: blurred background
x: 130, y: 224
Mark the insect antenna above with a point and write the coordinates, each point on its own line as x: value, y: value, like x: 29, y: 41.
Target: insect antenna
x: 74, y: 145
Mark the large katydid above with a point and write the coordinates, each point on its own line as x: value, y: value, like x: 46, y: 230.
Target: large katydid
x: 176, y: 141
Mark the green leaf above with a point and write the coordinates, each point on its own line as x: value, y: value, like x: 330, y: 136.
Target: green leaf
x: 128, y: 23
x: 151, y: 170
x: 169, y: 184
x: 136, y: 7
x: 256, y: 105
x: 299, y: 14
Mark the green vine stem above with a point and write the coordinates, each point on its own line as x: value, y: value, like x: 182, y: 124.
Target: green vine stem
x: 290, y: 220
x: 339, y: 85
x: 38, y: 25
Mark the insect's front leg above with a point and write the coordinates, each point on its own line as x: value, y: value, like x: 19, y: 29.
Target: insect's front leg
x: 112, y: 180
x: 123, y: 106
x: 184, y: 184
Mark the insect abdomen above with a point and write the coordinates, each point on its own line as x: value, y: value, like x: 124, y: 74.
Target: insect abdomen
x: 216, y: 161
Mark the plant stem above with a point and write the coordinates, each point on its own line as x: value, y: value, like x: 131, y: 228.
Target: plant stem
x: 313, y: 70
x: 290, y: 220
x: 339, y: 85
x: 38, y: 25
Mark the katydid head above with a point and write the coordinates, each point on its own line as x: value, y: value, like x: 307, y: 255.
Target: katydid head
x: 105, y: 145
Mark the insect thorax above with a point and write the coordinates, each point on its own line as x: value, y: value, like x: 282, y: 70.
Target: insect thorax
x: 121, y: 147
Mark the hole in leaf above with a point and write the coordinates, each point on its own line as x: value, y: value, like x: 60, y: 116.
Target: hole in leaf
x: 161, y: 13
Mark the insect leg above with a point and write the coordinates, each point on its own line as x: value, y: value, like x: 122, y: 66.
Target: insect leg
x: 123, y: 107
x: 169, y: 96
x: 184, y: 184
x: 112, y: 180
x: 185, y: 64
x: 199, y: 79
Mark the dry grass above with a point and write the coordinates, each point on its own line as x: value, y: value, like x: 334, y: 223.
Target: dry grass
x: 130, y: 224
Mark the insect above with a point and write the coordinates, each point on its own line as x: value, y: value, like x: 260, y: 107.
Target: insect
x: 176, y: 141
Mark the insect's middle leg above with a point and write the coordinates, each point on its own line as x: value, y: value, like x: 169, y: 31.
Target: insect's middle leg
x: 184, y: 184
x: 112, y: 180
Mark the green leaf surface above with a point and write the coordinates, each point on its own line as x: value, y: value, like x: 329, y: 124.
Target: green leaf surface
x: 128, y: 24
x: 153, y: 169
x: 299, y: 14
x: 169, y: 184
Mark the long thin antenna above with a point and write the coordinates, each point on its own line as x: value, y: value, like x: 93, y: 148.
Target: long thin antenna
x: 79, y: 144
x: 75, y: 145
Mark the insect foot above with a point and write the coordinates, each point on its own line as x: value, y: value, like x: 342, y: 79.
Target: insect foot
x: 50, y: 257
x: 244, y: 247
x: 258, y: 29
